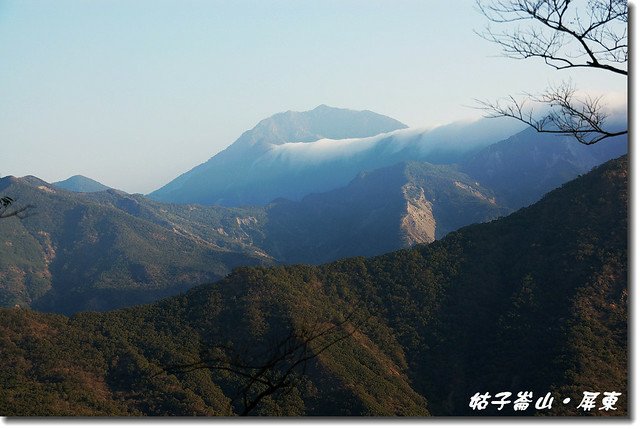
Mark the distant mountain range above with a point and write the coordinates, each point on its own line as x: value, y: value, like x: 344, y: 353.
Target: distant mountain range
x: 227, y: 176
x: 97, y: 249
x: 294, y: 154
x: 535, y: 301
x: 101, y: 250
x: 522, y: 168
x: 91, y: 252
x: 80, y: 183
x: 378, y: 212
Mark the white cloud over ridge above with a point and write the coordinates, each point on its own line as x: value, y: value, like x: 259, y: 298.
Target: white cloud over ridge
x: 455, y: 138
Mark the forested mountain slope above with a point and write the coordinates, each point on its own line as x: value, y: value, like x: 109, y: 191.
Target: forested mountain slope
x: 107, y: 249
x: 533, y: 301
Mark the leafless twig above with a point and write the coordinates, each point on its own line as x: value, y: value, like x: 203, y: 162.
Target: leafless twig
x: 565, y: 34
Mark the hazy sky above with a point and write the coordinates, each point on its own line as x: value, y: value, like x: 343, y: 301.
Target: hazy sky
x: 133, y: 93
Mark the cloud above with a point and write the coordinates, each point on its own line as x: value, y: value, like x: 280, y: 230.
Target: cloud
x: 456, y: 138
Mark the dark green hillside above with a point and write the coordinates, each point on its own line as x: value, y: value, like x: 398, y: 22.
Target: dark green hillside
x: 229, y: 228
x: 113, y: 363
x: 76, y: 253
x: 110, y: 249
x: 534, y: 301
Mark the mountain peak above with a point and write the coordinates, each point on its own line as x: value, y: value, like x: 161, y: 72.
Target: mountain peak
x: 327, y: 108
x: 31, y: 181
x: 207, y: 182
x: 323, y: 122
x: 79, y: 183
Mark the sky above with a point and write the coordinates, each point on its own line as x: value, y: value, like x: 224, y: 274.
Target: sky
x: 134, y: 93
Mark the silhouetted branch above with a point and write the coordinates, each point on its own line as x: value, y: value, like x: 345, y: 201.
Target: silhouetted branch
x: 561, y: 33
x: 286, y: 361
x: 565, y: 34
x: 7, y: 209
x: 583, y: 118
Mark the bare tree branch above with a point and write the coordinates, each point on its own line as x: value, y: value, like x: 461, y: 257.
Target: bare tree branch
x: 583, y: 118
x: 285, y: 363
x: 594, y: 37
x: 565, y: 34
x: 7, y: 209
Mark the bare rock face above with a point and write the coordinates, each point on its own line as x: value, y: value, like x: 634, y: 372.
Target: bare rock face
x: 418, y: 225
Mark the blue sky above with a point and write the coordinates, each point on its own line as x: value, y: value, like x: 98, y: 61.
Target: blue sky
x: 133, y: 93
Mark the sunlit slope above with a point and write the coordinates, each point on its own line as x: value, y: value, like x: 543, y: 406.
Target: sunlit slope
x: 536, y: 301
